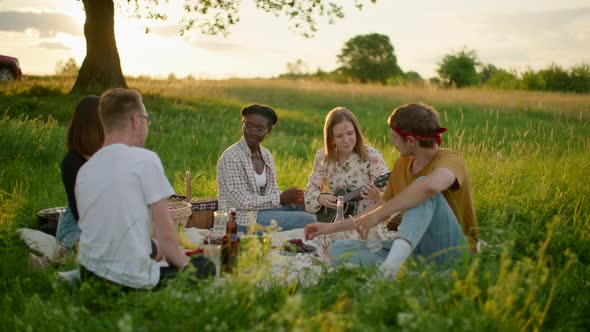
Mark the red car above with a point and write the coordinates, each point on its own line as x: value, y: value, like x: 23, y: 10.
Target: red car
x: 9, y: 69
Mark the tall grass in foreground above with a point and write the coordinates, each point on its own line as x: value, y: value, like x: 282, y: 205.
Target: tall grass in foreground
x: 531, y: 177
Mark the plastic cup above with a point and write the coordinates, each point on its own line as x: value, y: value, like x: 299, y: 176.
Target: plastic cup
x: 213, y: 253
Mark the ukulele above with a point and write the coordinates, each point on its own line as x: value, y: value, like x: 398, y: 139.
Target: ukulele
x: 326, y: 214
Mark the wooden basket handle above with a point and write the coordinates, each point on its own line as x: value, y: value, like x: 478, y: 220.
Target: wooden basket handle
x: 188, y: 187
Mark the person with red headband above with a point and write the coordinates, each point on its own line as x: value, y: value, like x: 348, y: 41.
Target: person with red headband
x: 429, y: 185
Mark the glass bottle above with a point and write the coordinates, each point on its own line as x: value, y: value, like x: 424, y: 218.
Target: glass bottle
x: 230, y: 243
x: 339, y: 209
x: 232, y: 226
x: 233, y: 230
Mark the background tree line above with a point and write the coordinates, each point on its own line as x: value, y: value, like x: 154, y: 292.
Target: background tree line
x: 371, y: 58
x: 463, y: 68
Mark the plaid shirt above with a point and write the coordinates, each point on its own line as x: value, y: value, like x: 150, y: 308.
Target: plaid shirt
x: 236, y: 185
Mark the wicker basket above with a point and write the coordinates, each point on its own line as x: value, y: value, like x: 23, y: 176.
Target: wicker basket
x: 179, y: 212
x: 202, y: 212
x: 202, y: 208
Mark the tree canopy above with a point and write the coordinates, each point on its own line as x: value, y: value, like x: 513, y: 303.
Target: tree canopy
x: 102, y: 69
x: 459, y: 69
x: 369, y: 58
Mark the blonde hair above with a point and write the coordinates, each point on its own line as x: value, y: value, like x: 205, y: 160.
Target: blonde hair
x: 335, y: 116
x: 115, y: 107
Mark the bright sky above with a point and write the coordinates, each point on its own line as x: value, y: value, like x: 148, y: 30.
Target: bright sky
x: 509, y: 34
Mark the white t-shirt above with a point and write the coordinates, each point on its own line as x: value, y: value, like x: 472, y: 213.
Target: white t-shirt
x: 114, y: 189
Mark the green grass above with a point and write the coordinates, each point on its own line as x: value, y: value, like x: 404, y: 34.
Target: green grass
x: 528, y: 155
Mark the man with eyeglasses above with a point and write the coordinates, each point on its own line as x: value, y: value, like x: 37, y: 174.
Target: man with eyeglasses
x: 121, y: 191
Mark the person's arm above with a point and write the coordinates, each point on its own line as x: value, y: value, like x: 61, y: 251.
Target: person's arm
x: 437, y: 181
x: 167, y: 236
x: 321, y: 228
x: 69, y: 170
x: 374, y: 206
x: 232, y: 180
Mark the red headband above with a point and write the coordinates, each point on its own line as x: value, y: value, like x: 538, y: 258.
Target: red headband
x: 406, y: 133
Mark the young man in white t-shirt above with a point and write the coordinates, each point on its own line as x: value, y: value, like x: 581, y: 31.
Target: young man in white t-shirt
x: 121, y: 191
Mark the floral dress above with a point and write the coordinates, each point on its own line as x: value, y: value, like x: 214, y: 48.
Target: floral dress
x: 330, y: 177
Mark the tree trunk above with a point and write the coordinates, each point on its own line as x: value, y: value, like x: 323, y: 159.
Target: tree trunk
x: 101, y: 68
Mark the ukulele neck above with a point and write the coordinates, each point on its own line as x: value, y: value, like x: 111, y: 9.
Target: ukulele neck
x: 352, y: 195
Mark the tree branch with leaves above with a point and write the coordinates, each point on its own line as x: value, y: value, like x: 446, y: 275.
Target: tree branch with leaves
x: 101, y: 68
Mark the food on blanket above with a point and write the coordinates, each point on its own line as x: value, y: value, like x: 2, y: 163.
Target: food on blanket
x: 297, y: 246
x: 194, y: 252
x: 185, y: 241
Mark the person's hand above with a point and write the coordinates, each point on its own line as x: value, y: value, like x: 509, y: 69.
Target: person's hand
x: 371, y: 192
x: 328, y: 200
x: 316, y: 229
x: 293, y: 196
x: 363, y: 225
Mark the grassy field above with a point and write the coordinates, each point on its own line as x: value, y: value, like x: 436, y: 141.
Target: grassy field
x: 528, y: 154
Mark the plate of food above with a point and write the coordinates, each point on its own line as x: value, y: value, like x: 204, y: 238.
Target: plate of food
x: 296, y: 246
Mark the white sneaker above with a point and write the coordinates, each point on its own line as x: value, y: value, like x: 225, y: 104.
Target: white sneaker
x: 70, y: 277
x: 386, y: 272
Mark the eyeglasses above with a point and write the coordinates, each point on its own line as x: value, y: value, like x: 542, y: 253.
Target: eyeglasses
x: 250, y: 127
x: 149, y: 120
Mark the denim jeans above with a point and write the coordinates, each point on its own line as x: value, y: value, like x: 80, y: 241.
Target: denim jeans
x: 68, y: 232
x: 287, y: 218
x: 431, y: 228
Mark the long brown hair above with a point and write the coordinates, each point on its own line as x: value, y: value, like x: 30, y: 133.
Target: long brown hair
x: 85, y: 133
x: 335, y: 116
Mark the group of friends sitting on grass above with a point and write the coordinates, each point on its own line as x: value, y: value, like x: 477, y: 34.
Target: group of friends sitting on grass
x: 117, y: 191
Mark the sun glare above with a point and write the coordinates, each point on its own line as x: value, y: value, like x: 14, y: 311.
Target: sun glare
x: 77, y: 45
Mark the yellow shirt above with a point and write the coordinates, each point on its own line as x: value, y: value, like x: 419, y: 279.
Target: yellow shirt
x: 459, y: 195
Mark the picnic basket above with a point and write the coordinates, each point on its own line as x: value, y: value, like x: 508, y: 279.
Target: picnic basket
x: 179, y: 212
x: 202, y: 212
x: 202, y: 208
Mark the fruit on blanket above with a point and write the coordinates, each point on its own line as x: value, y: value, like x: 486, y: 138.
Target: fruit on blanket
x: 297, y: 246
x: 185, y: 241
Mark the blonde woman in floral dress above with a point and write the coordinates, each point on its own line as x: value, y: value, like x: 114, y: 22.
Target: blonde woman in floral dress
x: 345, y: 162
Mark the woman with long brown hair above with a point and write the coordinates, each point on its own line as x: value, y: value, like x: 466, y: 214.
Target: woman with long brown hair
x: 84, y: 137
x: 344, y: 163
